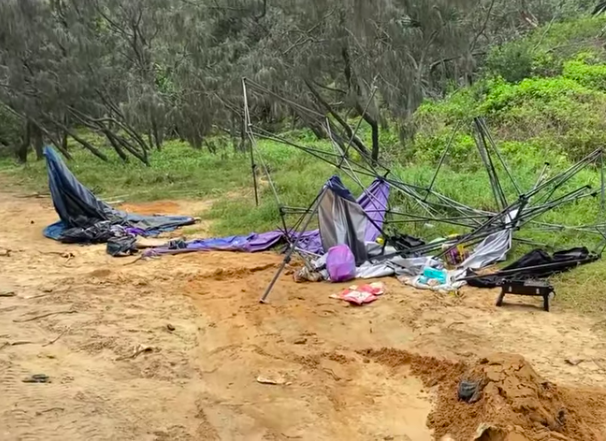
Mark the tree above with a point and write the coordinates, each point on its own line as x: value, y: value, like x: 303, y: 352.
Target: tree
x: 136, y: 71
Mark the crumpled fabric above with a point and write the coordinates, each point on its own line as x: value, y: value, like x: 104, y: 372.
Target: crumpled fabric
x: 122, y: 246
x: 97, y: 233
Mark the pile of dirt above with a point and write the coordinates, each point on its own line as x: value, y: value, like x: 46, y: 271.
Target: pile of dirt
x: 512, y: 403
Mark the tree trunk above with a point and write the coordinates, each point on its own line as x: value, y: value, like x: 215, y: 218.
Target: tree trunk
x: 375, y: 140
x: 87, y: 145
x: 115, y: 144
x: 64, y: 143
x: 350, y: 133
x: 37, y: 141
x: 374, y: 127
x: 22, y: 149
x: 156, y: 133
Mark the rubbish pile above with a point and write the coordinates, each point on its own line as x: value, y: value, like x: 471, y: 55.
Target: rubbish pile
x: 501, y: 398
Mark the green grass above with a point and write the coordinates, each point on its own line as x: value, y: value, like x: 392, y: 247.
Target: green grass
x: 177, y: 171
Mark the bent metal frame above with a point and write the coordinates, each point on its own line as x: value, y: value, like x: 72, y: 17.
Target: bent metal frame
x: 423, y: 203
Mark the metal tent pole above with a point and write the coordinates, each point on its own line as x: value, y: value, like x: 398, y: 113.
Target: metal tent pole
x: 293, y: 246
x: 247, y: 127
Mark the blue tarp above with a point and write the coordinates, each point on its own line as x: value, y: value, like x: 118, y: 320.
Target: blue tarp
x: 78, y: 207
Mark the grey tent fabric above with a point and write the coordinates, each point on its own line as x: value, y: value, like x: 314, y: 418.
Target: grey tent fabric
x: 492, y: 249
x: 495, y: 247
x: 342, y: 220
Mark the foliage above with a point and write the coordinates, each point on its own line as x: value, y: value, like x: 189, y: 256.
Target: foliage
x: 513, y: 61
x: 543, y: 52
x: 553, y: 104
x: 141, y: 71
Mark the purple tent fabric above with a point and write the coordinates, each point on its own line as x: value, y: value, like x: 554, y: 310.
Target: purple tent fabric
x: 373, y: 201
x: 253, y: 243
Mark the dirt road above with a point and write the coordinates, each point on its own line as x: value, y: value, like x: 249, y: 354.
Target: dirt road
x: 82, y: 318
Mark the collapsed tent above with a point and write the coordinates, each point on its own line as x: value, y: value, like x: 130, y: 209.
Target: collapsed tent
x: 537, y: 264
x: 342, y: 219
x: 87, y: 219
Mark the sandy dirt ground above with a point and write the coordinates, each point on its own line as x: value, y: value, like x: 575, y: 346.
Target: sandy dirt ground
x: 82, y: 318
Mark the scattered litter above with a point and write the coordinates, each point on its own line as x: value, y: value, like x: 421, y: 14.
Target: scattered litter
x: 360, y: 295
x: 52, y: 409
x: 487, y: 432
x: 434, y: 279
x: 53, y: 341
x: 136, y: 352
x: 31, y: 319
x: 469, y: 391
x: 65, y: 255
x: 16, y: 343
x: 36, y: 195
x: 272, y: 379
x: 37, y: 378
x: 574, y: 361
x: 170, y: 327
x: 38, y: 296
x: 433, y: 276
x: 306, y: 275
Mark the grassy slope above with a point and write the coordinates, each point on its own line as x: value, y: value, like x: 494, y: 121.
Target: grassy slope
x: 553, y: 110
x: 544, y: 97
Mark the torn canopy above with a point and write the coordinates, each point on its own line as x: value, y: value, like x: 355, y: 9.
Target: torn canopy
x: 80, y: 210
x: 342, y: 220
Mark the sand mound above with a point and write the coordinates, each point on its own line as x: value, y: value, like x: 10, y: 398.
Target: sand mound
x: 513, y: 402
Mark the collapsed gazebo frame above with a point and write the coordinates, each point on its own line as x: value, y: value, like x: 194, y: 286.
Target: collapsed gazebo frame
x: 429, y: 205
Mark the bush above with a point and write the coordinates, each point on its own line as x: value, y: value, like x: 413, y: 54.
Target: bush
x: 544, y: 52
x: 587, y: 71
x: 512, y: 61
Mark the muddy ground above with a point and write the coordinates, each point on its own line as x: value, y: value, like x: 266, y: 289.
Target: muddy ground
x: 199, y: 381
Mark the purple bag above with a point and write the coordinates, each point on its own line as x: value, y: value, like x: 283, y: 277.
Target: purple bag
x: 341, y: 264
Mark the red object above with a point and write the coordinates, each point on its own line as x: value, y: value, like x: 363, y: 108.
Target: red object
x: 360, y: 295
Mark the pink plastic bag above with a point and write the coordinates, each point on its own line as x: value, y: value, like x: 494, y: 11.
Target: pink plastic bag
x: 359, y: 295
x: 341, y: 264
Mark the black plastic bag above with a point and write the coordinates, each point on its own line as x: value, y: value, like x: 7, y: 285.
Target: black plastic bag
x: 122, y: 246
